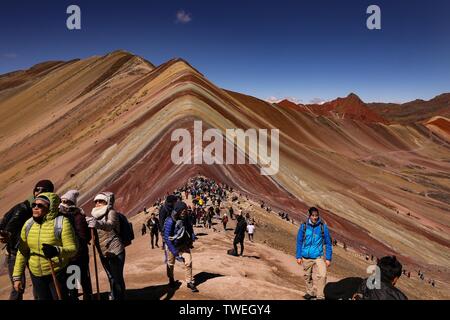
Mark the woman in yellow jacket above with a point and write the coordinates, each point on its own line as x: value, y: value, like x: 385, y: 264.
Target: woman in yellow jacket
x: 45, y: 237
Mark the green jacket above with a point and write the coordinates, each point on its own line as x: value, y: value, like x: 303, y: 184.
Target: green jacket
x: 30, y: 248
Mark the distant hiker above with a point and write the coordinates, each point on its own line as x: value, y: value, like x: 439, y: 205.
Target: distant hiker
x: 217, y: 211
x: 209, y: 219
x: 239, y: 232
x: 225, y: 221
x: 143, y: 229
x: 47, y: 241
x: 76, y: 216
x: 153, y: 226
x: 178, y: 236
x: 231, y: 212
x: 250, y: 230
x: 312, y: 236
x: 10, y: 230
x: 409, y: 274
x: 211, y: 211
x: 199, y: 216
x: 106, y: 224
x: 345, y: 246
x: 433, y: 284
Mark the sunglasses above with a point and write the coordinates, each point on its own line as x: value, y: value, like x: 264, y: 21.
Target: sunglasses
x: 38, y: 205
x: 64, y: 201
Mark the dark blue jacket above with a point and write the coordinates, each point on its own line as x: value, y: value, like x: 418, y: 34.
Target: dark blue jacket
x: 168, y: 231
x: 312, y: 247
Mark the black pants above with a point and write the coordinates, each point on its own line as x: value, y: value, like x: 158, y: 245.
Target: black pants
x: 235, y: 242
x: 85, y: 281
x: 154, y: 235
x: 113, y: 266
x: 44, y: 287
x: 14, y: 295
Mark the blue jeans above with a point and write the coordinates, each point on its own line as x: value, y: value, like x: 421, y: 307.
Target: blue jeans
x: 113, y: 266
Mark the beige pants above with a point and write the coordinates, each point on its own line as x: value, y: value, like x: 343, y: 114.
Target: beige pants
x: 186, y: 254
x: 321, y: 276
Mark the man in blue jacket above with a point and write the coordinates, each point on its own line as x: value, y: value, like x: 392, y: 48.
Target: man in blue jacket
x: 178, y: 236
x: 311, y: 238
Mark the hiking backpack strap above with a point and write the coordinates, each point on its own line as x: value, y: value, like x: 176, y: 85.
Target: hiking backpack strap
x: 58, y: 227
x: 304, y: 231
x: 28, y: 227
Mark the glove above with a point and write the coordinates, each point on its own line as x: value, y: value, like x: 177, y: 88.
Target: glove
x: 50, y: 251
x: 92, y: 222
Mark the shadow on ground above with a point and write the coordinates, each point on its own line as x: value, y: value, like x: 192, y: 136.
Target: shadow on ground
x: 159, y: 292
x: 201, y: 277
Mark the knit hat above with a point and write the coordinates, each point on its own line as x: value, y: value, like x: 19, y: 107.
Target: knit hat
x: 108, y: 197
x: 45, y: 184
x: 171, y: 198
x: 179, y: 206
x: 71, y: 195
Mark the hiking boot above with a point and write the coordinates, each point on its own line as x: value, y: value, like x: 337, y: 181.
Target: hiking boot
x: 308, y: 297
x: 172, y: 283
x: 192, y: 286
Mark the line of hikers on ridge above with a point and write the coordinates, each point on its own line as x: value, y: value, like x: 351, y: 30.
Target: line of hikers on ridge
x: 48, y: 234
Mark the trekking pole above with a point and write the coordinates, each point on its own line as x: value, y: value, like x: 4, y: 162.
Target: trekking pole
x: 95, y: 264
x: 55, y: 281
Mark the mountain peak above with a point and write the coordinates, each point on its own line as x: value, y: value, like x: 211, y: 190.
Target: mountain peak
x: 354, y: 97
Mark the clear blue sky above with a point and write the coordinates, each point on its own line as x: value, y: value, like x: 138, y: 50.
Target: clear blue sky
x: 302, y: 49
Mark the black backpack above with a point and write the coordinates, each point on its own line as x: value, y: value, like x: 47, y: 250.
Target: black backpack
x: 126, y: 233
